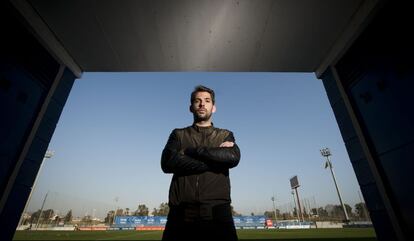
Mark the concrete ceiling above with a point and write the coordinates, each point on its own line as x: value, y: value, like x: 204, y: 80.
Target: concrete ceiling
x: 194, y: 35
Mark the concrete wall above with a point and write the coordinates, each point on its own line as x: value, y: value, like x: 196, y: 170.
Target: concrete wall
x: 34, y: 87
x: 371, y: 93
x: 327, y: 224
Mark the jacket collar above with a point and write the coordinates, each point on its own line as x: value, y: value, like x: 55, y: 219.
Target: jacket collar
x: 203, y: 128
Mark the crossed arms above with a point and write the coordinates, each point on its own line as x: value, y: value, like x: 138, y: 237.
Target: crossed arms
x: 201, y: 159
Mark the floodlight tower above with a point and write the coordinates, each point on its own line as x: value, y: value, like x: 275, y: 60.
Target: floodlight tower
x: 296, y: 208
x: 49, y: 154
x: 116, y: 209
x: 274, y: 207
x: 326, y: 153
x: 294, y: 184
x: 41, y: 210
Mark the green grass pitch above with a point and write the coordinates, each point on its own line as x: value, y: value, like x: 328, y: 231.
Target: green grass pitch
x: 357, y: 234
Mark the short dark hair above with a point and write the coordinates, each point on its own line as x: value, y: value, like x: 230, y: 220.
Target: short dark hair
x: 201, y: 88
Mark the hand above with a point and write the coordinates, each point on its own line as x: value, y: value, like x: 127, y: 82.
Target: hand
x: 227, y: 144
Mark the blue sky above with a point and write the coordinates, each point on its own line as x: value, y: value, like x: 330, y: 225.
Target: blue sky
x: 114, y: 126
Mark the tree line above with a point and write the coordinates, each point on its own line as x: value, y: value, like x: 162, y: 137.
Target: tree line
x: 142, y: 210
x: 329, y: 213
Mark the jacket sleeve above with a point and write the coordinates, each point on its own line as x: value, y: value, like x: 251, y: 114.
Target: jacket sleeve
x: 174, y: 161
x: 219, y: 157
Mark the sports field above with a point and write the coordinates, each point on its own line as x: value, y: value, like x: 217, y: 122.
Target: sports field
x: 357, y: 234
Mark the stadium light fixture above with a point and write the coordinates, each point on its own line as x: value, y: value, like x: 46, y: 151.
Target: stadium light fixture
x: 327, y: 153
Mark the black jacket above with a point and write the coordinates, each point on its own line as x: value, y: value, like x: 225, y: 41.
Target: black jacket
x: 199, y: 165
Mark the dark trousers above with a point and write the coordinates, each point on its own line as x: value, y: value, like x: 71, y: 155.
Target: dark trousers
x: 200, y: 222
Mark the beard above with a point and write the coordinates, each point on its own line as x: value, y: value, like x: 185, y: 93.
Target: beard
x: 202, y: 117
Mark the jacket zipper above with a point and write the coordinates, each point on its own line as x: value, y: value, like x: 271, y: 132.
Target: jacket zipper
x: 198, y: 176
x: 197, y: 189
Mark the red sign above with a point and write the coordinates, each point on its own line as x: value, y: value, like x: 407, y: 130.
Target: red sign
x: 269, y: 223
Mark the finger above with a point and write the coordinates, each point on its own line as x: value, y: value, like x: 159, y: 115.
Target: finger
x: 227, y: 144
x: 223, y: 144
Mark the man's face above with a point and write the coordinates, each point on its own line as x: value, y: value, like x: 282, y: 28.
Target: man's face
x: 202, y: 106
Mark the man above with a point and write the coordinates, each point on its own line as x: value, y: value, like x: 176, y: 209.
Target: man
x: 200, y: 157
